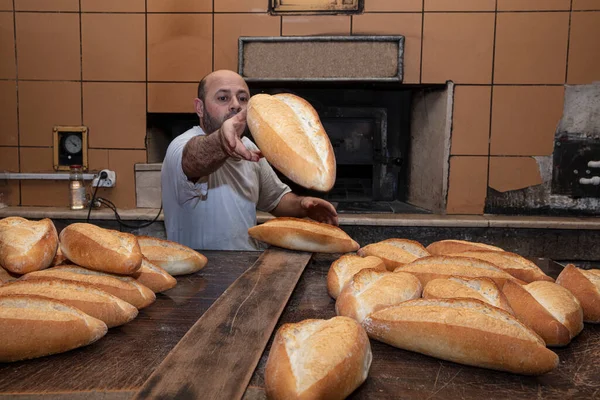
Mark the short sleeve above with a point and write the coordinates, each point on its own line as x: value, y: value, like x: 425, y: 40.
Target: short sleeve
x: 271, y: 188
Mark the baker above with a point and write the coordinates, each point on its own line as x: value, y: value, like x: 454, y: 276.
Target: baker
x: 214, y: 179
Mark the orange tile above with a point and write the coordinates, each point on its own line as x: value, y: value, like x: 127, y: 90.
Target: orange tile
x: 48, y: 46
x: 229, y: 27
x: 462, y: 5
x: 241, y: 6
x: 302, y: 25
x: 115, y: 114
x: 9, y: 159
x: 9, y: 162
x: 584, y: 56
x: 9, y: 129
x: 180, y: 5
x: 471, y: 120
x: 531, y: 48
x: 97, y: 159
x: 172, y: 97
x: 115, y: 54
x: 42, y: 105
x: 513, y: 173
x: 467, y: 186
x: 179, y: 47
x: 6, y: 5
x: 45, y: 193
x: 45, y: 5
x: 8, y: 67
x: 113, y: 5
x: 393, y: 5
x: 123, y: 163
x: 586, y: 5
x: 406, y: 24
x: 533, y: 5
x: 458, y: 47
x: 524, y: 119
x: 36, y: 159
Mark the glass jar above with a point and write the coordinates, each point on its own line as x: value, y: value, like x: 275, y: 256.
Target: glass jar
x: 77, y: 188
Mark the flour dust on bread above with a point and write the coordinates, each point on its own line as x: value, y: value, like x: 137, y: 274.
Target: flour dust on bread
x: 25, y: 245
x: 395, y: 252
x: 173, y: 257
x: 344, y: 268
x: 451, y: 246
x: 289, y: 133
x: 585, y: 286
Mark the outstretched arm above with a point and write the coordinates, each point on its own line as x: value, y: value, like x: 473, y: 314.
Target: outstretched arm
x: 320, y: 210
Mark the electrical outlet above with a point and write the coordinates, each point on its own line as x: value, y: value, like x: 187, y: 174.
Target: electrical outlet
x: 110, y: 181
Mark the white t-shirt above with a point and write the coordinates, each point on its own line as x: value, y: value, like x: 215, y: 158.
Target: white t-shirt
x: 216, y: 212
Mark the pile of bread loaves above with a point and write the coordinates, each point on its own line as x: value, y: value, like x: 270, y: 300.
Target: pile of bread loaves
x: 60, y: 293
x: 461, y: 301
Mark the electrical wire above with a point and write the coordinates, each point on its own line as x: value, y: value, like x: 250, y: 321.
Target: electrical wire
x: 103, y: 176
x: 112, y: 206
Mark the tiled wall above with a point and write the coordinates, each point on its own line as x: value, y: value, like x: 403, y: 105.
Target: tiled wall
x: 105, y: 63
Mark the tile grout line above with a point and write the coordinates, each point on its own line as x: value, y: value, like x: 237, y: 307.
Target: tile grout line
x: 81, y: 60
x: 146, y: 74
x: 213, y: 35
x: 17, y: 98
x: 421, y: 57
x: 568, y: 45
x: 489, y: 155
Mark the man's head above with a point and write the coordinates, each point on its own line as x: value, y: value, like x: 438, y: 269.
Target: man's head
x: 221, y: 95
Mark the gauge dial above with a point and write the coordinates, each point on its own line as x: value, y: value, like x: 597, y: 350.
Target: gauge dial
x: 73, y: 144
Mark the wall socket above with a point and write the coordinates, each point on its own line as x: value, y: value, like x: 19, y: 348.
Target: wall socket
x: 110, y: 181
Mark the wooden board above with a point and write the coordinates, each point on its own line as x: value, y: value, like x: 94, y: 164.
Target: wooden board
x: 216, y: 358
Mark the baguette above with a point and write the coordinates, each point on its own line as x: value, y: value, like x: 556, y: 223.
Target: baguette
x: 154, y: 277
x: 464, y: 331
x: 303, y: 235
x: 25, y: 245
x: 371, y: 290
x: 123, y: 287
x: 585, y: 286
x: 317, y: 359
x: 482, y: 289
x: 395, y: 252
x: 514, y: 264
x: 5, y: 276
x: 33, y: 326
x: 344, y: 268
x: 446, y: 247
x: 547, y: 308
x: 92, y: 301
x: 173, y: 257
x: 101, y: 249
x: 288, y: 132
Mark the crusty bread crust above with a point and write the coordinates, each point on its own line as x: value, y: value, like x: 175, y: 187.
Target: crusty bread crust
x: 33, y: 326
x: 289, y: 133
x: 395, y: 252
x: 100, y: 249
x: 450, y: 246
x: 317, y: 359
x: 154, y: 277
x: 5, y: 276
x: 344, y: 268
x: 465, y: 331
x: 59, y: 258
x: 303, y: 235
x: 173, y: 257
x: 25, y: 245
x: 585, y: 288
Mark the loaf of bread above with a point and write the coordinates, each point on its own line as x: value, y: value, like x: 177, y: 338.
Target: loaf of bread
x: 585, y: 286
x: 465, y: 331
x: 303, y: 235
x: 25, y: 245
x: 344, y: 268
x: 395, y: 252
x: 434, y: 267
x: 288, y: 132
x: 514, y: 264
x: 32, y: 326
x: 5, y: 276
x: 549, y: 309
x: 92, y: 301
x: 446, y: 247
x: 173, y: 257
x: 482, y: 289
x: 124, y: 287
x: 317, y: 359
x: 59, y: 258
x: 371, y: 290
x: 154, y: 277
x: 100, y: 249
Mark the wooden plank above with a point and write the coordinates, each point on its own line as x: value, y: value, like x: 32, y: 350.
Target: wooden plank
x: 216, y: 358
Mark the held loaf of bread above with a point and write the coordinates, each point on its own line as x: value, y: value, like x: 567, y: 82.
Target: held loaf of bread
x: 450, y: 246
x: 154, y: 277
x: 32, y: 326
x: 371, y: 290
x: 317, y: 359
x: 344, y: 268
x: 173, y: 257
x: 395, y: 252
x: 464, y: 331
x: 106, y: 250
x: 547, y: 308
x: 585, y: 286
x: 25, y: 245
x: 288, y: 132
x: 303, y: 235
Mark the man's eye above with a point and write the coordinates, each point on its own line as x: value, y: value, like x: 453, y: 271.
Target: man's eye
x: 243, y: 99
x: 223, y: 98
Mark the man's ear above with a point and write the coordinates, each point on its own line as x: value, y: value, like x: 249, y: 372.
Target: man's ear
x: 199, y: 107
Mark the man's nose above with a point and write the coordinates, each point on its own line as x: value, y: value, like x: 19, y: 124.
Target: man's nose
x: 235, y: 105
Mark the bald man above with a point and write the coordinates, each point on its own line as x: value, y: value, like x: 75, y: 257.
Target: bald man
x: 214, y: 179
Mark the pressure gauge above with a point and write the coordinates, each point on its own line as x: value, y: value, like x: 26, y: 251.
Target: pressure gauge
x: 73, y: 144
x: 70, y: 147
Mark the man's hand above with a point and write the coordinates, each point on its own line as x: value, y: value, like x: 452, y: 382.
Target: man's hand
x: 320, y: 210
x: 230, y: 135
